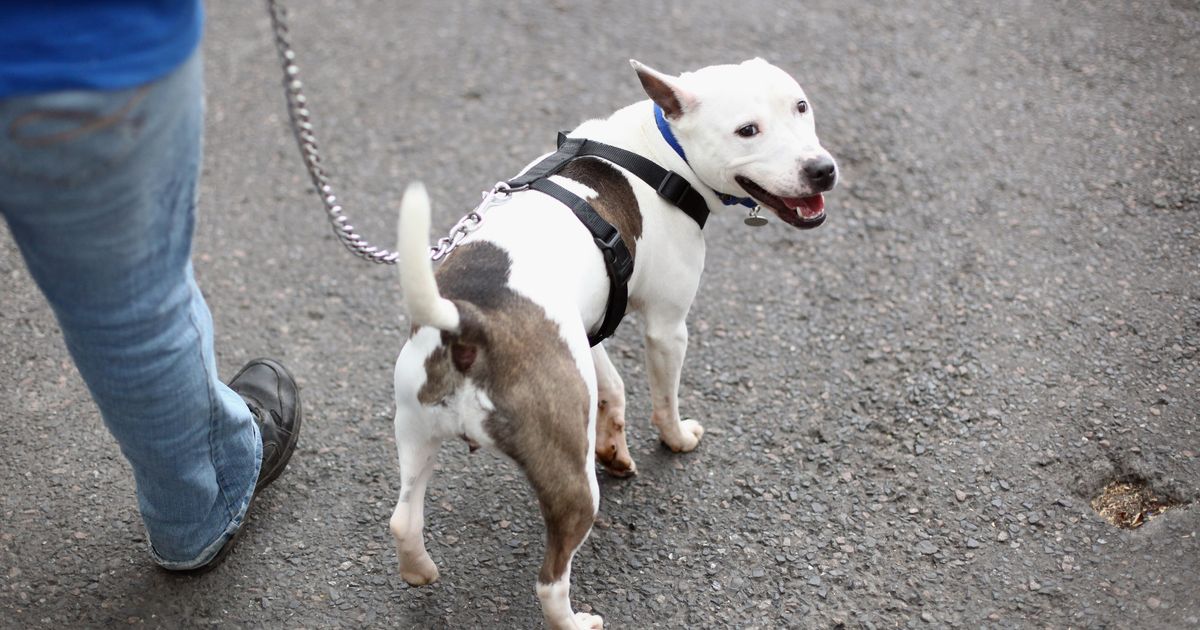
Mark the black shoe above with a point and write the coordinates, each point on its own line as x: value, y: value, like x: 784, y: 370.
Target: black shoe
x: 271, y: 393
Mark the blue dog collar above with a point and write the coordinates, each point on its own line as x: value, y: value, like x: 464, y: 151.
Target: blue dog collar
x: 730, y: 200
x: 665, y: 129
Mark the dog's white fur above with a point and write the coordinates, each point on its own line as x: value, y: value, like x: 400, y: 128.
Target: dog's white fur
x: 416, y: 276
x: 556, y: 266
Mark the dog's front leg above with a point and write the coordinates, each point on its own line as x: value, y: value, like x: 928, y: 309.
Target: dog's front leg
x: 666, y: 345
x: 611, y: 448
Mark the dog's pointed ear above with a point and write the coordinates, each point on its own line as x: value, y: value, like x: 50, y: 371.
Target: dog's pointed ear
x: 664, y: 90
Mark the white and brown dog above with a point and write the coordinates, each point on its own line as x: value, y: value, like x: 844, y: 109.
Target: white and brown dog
x: 499, y: 353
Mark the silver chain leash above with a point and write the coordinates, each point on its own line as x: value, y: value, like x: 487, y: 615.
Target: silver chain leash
x: 306, y: 140
x: 302, y: 129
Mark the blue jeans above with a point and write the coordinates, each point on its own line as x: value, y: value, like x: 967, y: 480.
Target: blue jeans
x: 99, y: 191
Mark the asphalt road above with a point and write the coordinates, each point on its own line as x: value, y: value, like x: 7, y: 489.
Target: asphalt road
x: 908, y: 410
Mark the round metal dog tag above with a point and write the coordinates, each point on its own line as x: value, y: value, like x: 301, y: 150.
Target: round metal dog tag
x: 754, y: 220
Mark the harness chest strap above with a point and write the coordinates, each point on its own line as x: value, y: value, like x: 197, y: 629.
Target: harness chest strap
x: 618, y: 262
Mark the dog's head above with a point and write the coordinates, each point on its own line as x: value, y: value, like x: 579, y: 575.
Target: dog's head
x: 748, y: 130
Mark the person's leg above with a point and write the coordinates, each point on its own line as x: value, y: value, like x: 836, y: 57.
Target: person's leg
x: 99, y: 193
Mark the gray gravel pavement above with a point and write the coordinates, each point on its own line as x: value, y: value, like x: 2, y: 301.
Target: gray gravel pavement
x: 908, y: 410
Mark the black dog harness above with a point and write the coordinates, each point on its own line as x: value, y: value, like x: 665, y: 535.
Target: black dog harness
x: 617, y: 260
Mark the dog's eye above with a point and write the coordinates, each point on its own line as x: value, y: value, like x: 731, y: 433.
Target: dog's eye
x: 802, y: 106
x: 748, y: 131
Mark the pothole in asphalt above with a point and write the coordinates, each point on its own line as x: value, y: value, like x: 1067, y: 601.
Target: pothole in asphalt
x: 1130, y: 504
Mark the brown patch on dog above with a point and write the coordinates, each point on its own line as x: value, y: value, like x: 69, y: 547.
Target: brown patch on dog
x: 440, y: 377
x: 528, y: 373
x: 475, y: 276
x: 614, y: 198
x: 476, y: 273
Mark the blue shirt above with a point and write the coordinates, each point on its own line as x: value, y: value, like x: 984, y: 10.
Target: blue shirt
x: 48, y: 45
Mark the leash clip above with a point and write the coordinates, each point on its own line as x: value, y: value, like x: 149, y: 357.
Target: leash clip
x: 500, y: 193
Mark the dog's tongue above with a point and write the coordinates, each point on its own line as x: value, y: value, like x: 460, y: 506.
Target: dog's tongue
x: 808, y: 207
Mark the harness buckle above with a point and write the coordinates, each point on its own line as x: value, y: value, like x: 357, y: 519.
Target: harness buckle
x: 616, y: 256
x: 608, y: 243
x: 673, y: 187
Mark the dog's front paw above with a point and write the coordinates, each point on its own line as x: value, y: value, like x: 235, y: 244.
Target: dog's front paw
x: 588, y: 622
x: 686, y: 438
x: 621, y: 470
x: 611, y: 449
x: 616, y: 459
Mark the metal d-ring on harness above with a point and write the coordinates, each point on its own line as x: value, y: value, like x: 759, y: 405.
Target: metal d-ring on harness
x: 617, y: 260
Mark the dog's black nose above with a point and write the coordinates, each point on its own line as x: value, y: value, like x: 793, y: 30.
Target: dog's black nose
x: 821, y: 172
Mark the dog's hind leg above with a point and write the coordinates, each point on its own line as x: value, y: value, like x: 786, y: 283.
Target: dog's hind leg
x: 611, y: 449
x: 566, y: 495
x: 418, y: 450
x: 552, y: 444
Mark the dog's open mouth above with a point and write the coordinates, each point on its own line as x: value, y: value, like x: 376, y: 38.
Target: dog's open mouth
x: 802, y: 212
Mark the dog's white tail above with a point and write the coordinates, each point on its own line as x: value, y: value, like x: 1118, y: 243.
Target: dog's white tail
x: 426, y: 307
